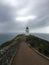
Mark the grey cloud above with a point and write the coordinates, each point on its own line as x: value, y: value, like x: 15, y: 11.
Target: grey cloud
x: 7, y: 19
x: 42, y: 20
x: 38, y: 23
x: 8, y: 15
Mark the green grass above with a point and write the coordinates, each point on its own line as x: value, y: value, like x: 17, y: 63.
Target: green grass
x: 39, y: 44
x: 16, y: 39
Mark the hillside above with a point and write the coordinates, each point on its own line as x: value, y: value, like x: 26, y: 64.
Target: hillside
x: 19, y: 51
x: 8, y: 43
x: 39, y: 44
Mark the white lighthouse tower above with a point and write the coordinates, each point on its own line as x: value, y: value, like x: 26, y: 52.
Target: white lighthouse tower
x: 27, y: 30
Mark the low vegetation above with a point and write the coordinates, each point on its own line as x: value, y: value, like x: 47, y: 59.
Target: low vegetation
x: 41, y: 45
x: 16, y: 39
x: 8, y: 49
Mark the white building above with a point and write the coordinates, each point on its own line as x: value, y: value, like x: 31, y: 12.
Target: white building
x: 27, y: 30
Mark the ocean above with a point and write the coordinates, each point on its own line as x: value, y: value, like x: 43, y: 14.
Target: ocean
x: 7, y: 37
x: 42, y: 36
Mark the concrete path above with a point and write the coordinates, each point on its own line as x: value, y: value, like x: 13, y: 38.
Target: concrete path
x: 27, y: 56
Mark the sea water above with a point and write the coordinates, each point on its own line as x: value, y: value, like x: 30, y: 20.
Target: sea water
x: 6, y: 37
x: 42, y: 36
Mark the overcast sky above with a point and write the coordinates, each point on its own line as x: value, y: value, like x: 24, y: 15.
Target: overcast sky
x: 15, y: 15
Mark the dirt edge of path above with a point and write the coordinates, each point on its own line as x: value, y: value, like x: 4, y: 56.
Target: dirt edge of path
x: 47, y: 58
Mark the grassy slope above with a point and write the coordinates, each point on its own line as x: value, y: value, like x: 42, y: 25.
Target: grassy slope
x: 16, y: 39
x: 39, y: 44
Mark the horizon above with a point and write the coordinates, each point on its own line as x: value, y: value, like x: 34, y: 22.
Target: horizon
x: 15, y: 15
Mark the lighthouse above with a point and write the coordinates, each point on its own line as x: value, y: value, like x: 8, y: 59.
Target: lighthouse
x: 27, y: 30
